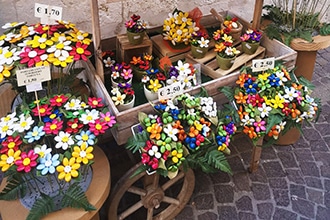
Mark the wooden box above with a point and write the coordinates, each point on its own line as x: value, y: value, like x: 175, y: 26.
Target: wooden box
x: 7, y: 96
x: 125, y: 51
x: 162, y: 48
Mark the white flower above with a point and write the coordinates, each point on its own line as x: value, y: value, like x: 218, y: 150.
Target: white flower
x: 206, y: 101
x: 108, y: 62
x: 183, y: 68
x: 247, y: 120
x: 154, y: 152
x: 89, y: 116
x: 24, y: 124
x: 145, y: 79
x: 60, y: 49
x: 203, y: 42
x: 10, y: 118
x: 290, y: 94
x: 171, y: 132
x: 6, y: 129
x: 185, y: 80
x: 9, y: 56
x: 73, y: 104
x: 171, y: 80
x: 281, y: 76
x: 115, y: 75
x: 191, y: 111
x: 264, y: 110
x: 64, y: 140
x: 42, y: 150
x: 12, y: 25
x: 170, y: 106
x: 114, y: 90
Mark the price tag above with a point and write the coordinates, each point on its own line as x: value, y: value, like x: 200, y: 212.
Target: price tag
x: 34, y: 87
x: 263, y: 64
x: 170, y: 91
x: 33, y: 75
x: 48, y: 14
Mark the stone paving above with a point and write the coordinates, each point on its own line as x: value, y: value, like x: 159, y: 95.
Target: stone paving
x: 292, y: 182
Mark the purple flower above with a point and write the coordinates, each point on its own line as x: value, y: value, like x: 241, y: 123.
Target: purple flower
x: 173, y: 72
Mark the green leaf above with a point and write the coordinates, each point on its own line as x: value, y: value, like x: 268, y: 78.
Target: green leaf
x: 75, y: 197
x: 273, y: 120
x: 139, y: 170
x: 306, y: 35
x: 138, y: 141
x: 41, y: 207
x: 228, y: 92
x: 218, y: 160
x: 15, y: 188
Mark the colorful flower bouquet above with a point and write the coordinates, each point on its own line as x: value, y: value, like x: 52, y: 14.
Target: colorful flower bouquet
x: 152, y: 81
x: 108, y: 58
x: 199, y: 44
x: 135, y: 24
x: 233, y: 27
x: 121, y: 73
x: 271, y: 102
x: 250, y: 41
x: 123, y: 96
x: 50, y: 142
x: 58, y: 46
x: 224, y: 44
x: 178, y: 27
x: 140, y: 64
x: 186, y: 131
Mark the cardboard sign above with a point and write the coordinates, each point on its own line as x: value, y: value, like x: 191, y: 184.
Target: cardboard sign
x: 33, y: 75
x: 48, y: 14
x: 263, y: 64
x: 169, y: 92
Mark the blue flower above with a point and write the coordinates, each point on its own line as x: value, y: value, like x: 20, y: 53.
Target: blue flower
x: 175, y: 113
x: 56, y: 113
x: 152, y: 71
x: 87, y: 137
x: 273, y: 80
x: 160, y: 107
x: 220, y: 140
x: 48, y: 164
x: 191, y: 141
x: 250, y: 87
x: 35, y: 134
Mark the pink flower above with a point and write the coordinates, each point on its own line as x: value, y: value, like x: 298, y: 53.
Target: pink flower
x: 95, y: 102
x: 145, y: 158
x: 153, y: 163
x: 31, y: 56
x: 98, y: 127
x: 127, y: 74
x: 27, y: 161
x: 58, y: 100
x: 260, y: 126
x: 43, y: 110
x: 108, y: 118
x: 80, y: 52
x: 53, y: 127
x: 245, y: 37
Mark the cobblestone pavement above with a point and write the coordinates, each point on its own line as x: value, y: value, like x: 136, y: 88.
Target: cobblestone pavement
x: 292, y: 182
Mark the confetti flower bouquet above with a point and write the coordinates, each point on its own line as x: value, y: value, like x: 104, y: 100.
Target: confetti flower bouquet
x: 140, y: 64
x: 185, y: 131
x: 50, y: 143
x: 123, y: 96
x: 121, y: 73
x: 271, y: 102
x: 152, y: 81
x: 135, y: 29
x: 199, y: 44
x: 250, y: 41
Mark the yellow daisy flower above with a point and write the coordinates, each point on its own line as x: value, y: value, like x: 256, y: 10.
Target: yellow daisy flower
x: 83, y: 154
x: 68, y: 169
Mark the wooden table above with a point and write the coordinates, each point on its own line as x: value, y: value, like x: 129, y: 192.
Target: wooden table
x: 96, y: 193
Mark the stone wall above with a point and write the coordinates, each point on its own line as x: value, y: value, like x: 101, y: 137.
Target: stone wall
x: 113, y: 13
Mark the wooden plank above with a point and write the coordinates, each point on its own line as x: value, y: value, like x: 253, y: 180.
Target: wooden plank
x: 7, y: 96
x: 256, y: 153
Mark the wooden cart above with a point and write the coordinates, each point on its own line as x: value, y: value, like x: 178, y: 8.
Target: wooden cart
x: 151, y: 192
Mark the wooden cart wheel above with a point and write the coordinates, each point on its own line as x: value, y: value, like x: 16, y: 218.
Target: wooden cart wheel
x: 150, y: 197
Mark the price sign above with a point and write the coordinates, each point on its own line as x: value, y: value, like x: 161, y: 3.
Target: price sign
x: 33, y: 75
x: 170, y: 91
x: 47, y: 13
x: 263, y: 64
x: 34, y: 87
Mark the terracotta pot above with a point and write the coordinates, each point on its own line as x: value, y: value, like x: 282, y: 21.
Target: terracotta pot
x: 250, y: 48
x: 126, y: 106
x: 290, y: 137
x: 198, y: 52
x: 135, y: 38
x: 150, y: 95
x: 225, y: 63
x: 235, y: 33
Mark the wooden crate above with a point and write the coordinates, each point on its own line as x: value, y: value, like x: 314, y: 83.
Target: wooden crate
x: 7, y: 96
x: 125, y: 51
x: 161, y: 48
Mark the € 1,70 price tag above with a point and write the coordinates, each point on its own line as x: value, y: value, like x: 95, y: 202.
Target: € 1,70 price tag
x: 47, y: 12
x: 263, y: 64
x: 170, y: 91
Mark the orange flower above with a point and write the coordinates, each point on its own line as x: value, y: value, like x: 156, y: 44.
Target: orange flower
x: 193, y: 132
x: 165, y: 61
x: 273, y: 132
x: 286, y: 73
x: 219, y: 47
x: 241, y: 80
x: 250, y: 132
x: 205, y: 122
x: 241, y: 113
x: 155, y: 131
x: 241, y: 98
x: 297, y: 87
x: 294, y: 112
x: 135, y: 60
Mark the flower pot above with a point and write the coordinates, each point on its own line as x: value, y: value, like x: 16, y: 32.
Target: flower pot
x: 115, y: 84
x: 149, y: 94
x: 126, y: 106
x: 290, y: 137
x: 135, y: 38
x: 250, y: 48
x: 235, y: 33
x: 198, y: 52
x: 225, y: 63
x: 138, y: 74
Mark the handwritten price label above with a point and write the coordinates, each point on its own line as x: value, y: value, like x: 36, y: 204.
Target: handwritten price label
x: 170, y: 91
x: 47, y: 13
x: 263, y: 64
x: 33, y: 75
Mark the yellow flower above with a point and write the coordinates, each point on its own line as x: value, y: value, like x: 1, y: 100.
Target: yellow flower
x: 40, y: 42
x: 267, y: 101
x: 80, y: 37
x: 227, y: 38
x: 176, y: 156
x: 60, y: 61
x: 5, y: 72
x: 6, y: 161
x: 154, y: 85
x: 119, y: 98
x: 83, y: 154
x: 278, y: 102
x: 263, y: 76
x: 68, y: 170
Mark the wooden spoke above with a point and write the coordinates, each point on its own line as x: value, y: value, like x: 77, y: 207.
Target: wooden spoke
x: 150, y: 214
x: 137, y: 191
x: 131, y: 210
x: 171, y: 200
x: 169, y: 183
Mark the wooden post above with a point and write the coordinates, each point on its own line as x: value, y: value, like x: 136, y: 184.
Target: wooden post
x: 255, y: 158
x: 257, y: 14
x: 97, y: 39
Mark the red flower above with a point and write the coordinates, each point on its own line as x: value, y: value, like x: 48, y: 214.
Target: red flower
x: 11, y: 143
x: 95, y: 102
x: 145, y: 158
x: 255, y: 100
x: 153, y: 163
x: 58, y: 100
x: 31, y: 56
x: 98, y: 127
x: 80, y: 52
x: 53, y: 127
x: 161, y: 77
x: 286, y: 109
x: 135, y: 17
x: 73, y: 126
x: 43, y: 110
x: 27, y: 161
x: 129, y: 91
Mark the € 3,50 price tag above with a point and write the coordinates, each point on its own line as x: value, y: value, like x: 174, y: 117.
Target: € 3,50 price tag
x: 263, y: 64
x: 170, y: 91
x: 47, y: 13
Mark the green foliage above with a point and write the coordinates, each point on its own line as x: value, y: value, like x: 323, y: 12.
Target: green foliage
x: 75, y: 197
x: 139, y: 170
x: 15, y: 188
x: 137, y: 141
x: 218, y: 160
x: 41, y: 207
x: 325, y: 29
x: 228, y: 92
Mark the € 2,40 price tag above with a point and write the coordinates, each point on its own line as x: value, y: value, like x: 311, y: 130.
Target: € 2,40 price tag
x: 170, y: 91
x: 263, y: 64
x: 47, y: 13
x: 33, y: 75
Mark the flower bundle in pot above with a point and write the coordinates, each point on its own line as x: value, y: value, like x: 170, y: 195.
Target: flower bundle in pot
x: 199, y: 44
x: 123, y: 96
x: 250, y: 41
x: 233, y: 26
x: 121, y: 73
x: 271, y: 102
x: 226, y: 52
x: 136, y: 29
x: 46, y: 150
x: 152, y: 81
x: 140, y: 64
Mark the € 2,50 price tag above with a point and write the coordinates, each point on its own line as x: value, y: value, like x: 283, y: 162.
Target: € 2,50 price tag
x: 170, y: 91
x: 263, y: 64
x: 33, y: 75
x: 47, y: 13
